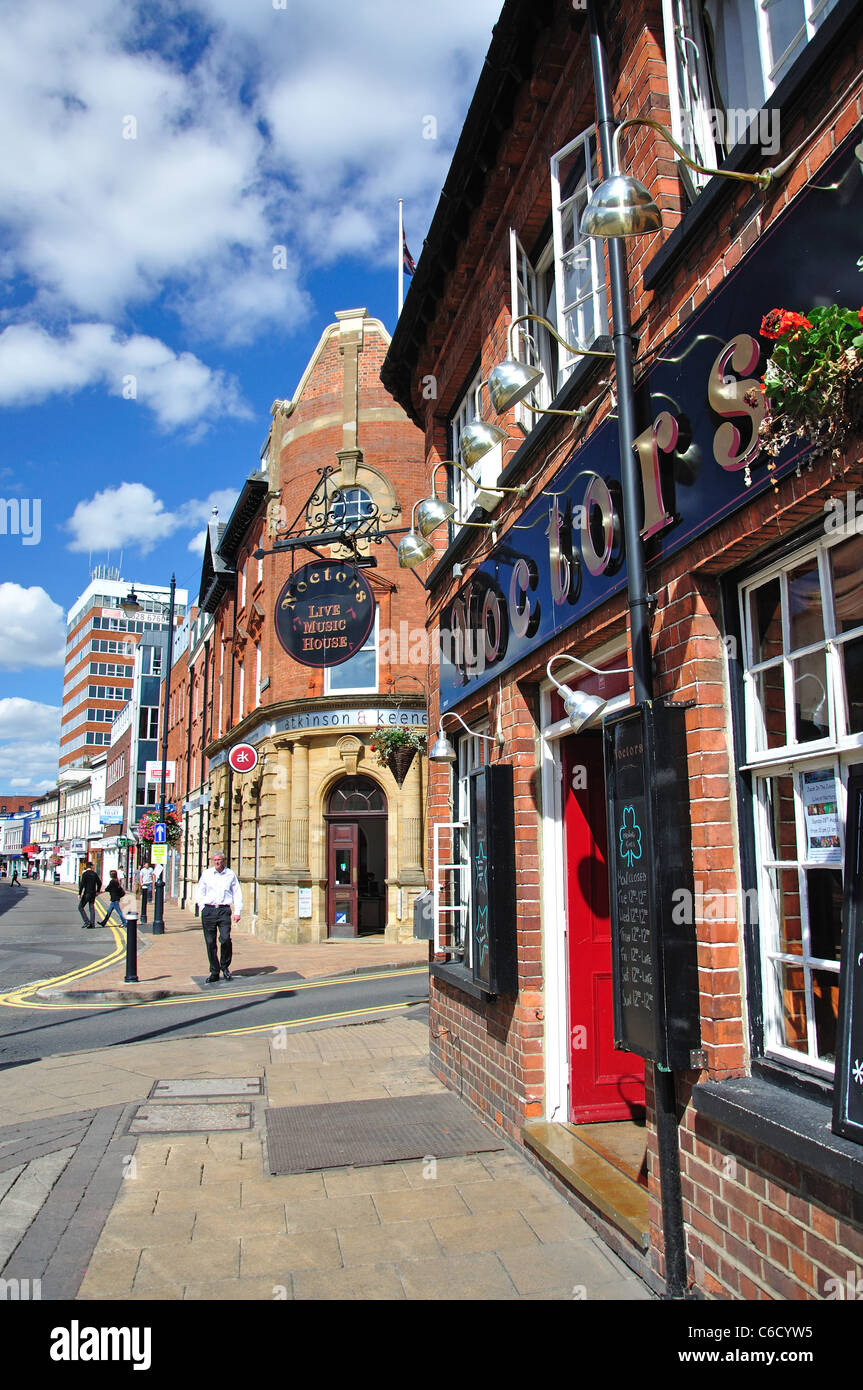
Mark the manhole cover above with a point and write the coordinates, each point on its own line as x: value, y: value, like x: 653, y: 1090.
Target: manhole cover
x: 189, y: 1119
x: 357, y: 1133
x: 207, y: 1086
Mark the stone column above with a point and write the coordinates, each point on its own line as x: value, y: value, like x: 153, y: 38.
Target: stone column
x: 283, y: 811
x: 300, y: 810
x: 411, y: 822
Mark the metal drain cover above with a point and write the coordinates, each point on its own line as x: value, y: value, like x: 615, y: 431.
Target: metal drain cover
x: 206, y: 1086
x: 191, y: 1119
x: 358, y: 1133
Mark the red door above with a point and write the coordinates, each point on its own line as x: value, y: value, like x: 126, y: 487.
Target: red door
x: 342, y: 878
x: 604, y: 1084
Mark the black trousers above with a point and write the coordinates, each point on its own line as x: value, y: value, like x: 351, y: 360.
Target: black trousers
x: 88, y: 917
x: 217, y: 920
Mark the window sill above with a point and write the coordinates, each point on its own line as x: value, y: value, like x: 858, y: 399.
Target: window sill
x: 461, y: 977
x: 794, y: 1125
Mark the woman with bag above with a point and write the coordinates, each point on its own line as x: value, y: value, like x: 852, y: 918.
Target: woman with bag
x: 115, y: 892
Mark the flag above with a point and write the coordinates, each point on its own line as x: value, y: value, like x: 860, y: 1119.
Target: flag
x: 407, y: 259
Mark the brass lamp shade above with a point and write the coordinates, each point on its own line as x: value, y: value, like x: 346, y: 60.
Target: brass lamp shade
x: 478, y: 439
x: 620, y: 206
x: 510, y: 382
x: 433, y: 512
x: 413, y: 549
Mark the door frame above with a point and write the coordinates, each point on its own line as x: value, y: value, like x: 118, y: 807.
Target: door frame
x: 553, y: 888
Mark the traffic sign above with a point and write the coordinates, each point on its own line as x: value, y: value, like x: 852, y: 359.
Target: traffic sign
x: 243, y: 757
x: 159, y: 854
x: 160, y: 833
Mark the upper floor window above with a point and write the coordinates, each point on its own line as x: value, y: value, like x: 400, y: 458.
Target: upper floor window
x: 579, y: 266
x: 359, y: 672
x: 487, y: 470
x: 725, y: 59
x: 353, y: 506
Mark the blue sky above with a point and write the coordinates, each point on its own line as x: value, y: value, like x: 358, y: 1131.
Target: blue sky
x: 156, y: 155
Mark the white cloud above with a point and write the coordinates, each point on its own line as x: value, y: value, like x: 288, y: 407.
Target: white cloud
x: 27, y: 719
x: 132, y: 514
x: 32, y: 628
x: 253, y: 127
x: 177, y: 387
x: 197, y: 543
x: 28, y: 765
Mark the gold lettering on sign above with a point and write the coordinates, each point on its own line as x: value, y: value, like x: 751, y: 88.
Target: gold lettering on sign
x: 662, y: 435
x: 734, y: 400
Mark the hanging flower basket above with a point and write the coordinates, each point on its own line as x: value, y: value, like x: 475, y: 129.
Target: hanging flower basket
x: 399, y: 761
x: 813, y: 383
x: 395, y: 746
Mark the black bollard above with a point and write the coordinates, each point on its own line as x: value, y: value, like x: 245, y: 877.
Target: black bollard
x: 131, y: 949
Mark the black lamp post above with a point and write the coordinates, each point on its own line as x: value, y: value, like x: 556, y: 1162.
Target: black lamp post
x: 131, y: 605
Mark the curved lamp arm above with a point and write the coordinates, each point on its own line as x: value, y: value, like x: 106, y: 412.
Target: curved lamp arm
x: 568, y: 656
x: 761, y: 180
x: 493, y: 487
x: 451, y: 714
x: 537, y: 318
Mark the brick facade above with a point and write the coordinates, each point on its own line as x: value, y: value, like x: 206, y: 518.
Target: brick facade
x: 758, y: 1224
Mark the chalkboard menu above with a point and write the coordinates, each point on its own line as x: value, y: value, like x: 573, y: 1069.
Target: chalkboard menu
x: 654, y: 954
x: 848, y: 1090
x: 492, y: 879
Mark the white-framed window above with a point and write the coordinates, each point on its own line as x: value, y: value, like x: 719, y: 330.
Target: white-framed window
x: 451, y: 851
x: 353, y: 506
x: 725, y: 59
x: 360, y: 671
x: 148, y: 722
x: 533, y: 291
x: 242, y: 687
x: 579, y: 265
x: 243, y: 587
x: 257, y: 674
x: 802, y: 622
x: 484, y: 473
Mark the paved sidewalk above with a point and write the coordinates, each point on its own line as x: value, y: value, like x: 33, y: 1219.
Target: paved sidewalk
x: 176, y: 962
x: 198, y: 1216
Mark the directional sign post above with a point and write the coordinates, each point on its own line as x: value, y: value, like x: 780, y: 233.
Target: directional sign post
x: 160, y: 833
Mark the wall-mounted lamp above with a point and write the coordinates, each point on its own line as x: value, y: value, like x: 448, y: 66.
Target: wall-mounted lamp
x: 479, y: 437
x: 434, y: 511
x: 622, y: 206
x: 442, y: 750
x: 581, y: 708
x: 413, y: 548
x: 511, y: 381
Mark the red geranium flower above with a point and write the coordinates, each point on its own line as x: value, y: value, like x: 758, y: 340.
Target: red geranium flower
x: 781, y: 321
x: 860, y: 315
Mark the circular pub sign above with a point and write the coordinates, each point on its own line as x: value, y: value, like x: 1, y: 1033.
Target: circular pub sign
x: 243, y: 757
x: 324, y: 613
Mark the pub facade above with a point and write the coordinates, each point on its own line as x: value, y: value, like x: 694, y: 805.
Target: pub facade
x: 657, y: 997
x: 304, y: 652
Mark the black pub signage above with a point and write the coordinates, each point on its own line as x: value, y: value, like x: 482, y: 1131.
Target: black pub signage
x: 492, y: 879
x: 324, y: 613
x: 654, y: 963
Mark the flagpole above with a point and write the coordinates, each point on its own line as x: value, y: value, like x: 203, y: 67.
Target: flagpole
x: 401, y: 260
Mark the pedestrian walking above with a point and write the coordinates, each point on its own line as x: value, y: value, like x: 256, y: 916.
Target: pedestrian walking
x: 89, y: 885
x: 15, y: 878
x: 145, y: 878
x: 217, y: 893
x: 115, y: 892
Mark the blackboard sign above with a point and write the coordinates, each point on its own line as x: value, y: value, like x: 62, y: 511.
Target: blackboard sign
x: 492, y: 879
x: 848, y: 1090
x: 654, y: 954
x: 324, y: 614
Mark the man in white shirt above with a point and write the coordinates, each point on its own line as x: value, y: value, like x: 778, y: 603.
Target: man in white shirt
x: 217, y: 892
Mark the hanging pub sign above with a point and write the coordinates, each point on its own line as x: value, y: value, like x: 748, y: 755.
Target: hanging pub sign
x: 492, y: 879
x: 324, y: 613
x: 848, y: 1090
x: 654, y: 963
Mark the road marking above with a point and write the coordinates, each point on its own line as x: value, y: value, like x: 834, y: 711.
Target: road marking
x: 11, y: 999
x: 320, y: 1018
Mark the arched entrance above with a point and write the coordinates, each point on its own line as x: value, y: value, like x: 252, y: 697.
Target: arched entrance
x: 356, y: 818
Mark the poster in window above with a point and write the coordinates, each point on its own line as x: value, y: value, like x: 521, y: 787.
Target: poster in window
x: 821, y: 817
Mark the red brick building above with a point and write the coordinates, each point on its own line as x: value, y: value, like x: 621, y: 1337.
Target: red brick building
x: 324, y: 839
x: 754, y: 611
